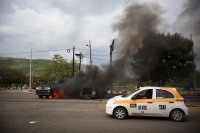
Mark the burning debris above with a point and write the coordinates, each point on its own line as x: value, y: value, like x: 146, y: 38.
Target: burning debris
x: 94, y: 77
x: 59, y: 94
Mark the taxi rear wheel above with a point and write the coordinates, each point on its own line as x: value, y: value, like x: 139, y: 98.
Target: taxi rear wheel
x: 120, y: 113
x: 177, y: 115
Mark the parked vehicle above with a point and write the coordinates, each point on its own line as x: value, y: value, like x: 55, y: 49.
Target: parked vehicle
x: 88, y: 93
x: 45, y: 88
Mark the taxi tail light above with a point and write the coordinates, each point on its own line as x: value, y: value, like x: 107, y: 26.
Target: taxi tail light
x: 184, y: 101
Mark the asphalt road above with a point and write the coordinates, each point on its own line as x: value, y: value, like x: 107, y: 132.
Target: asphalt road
x: 17, y: 110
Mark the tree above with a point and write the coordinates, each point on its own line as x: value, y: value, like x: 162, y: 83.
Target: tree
x: 189, y: 82
x: 59, y: 67
x: 164, y: 58
x: 11, y: 76
x: 197, y: 78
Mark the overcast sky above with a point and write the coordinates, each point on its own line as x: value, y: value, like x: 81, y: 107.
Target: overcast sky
x: 43, y: 25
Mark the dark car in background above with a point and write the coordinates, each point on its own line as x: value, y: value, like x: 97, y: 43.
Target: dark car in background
x: 45, y: 88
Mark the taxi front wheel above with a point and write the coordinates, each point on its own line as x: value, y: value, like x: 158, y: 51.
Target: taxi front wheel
x: 177, y: 115
x: 120, y: 113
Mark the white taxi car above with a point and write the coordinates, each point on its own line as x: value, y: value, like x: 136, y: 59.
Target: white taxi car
x: 148, y: 101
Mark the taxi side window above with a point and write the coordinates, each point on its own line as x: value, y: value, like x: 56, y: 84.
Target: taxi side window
x: 146, y: 94
x: 163, y: 94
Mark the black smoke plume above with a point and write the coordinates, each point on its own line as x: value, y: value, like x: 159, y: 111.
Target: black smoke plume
x: 132, y: 26
x: 188, y: 22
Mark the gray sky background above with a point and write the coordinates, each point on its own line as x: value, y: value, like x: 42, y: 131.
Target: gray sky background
x: 43, y: 25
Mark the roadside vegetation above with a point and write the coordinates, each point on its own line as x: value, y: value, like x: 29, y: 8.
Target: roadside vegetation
x: 165, y: 61
x: 59, y: 67
x: 10, y: 72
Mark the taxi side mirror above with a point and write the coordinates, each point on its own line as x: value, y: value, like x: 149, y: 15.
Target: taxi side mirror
x: 134, y: 98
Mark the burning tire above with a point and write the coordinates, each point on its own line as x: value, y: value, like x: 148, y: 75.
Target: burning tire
x: 51, y: 96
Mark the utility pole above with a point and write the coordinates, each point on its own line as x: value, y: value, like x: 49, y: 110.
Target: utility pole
x: 111, y: 50
x: 80, y: 61
x: 73, y: 63
x: 194, y: 69
x: 30, y: 71
x: 33, y: 72
x: 80, y: 56
x: 90, y: 53
x: 20, y: 74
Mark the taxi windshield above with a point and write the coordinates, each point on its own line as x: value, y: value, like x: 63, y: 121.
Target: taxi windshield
x: 130, y: 93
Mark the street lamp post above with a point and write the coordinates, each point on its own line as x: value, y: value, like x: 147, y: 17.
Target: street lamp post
x: 90, y: 53
x: 111, y: 50
x: 20, y: 74
x: 80, y: 56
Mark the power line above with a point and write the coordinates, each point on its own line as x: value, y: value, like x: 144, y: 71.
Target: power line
x: 68, y: 50
x: 14, y: 53
x: 100, y: 55
x: 51, y: 50
x: 97, y: 58
x: 116, y: 52
x: 96, y: 55
x: 35, y: 51
x: 11, y: 44
x: 6, y: 49
x: 93, y: 50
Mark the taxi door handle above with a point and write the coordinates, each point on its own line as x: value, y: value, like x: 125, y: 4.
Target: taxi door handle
x: 171, y: 102
x: 149, y: 102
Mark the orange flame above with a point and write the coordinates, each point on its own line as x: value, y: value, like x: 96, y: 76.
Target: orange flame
x: 59, y: 94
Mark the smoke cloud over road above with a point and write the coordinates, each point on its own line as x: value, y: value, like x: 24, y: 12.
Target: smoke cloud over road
x: 132, y: 26
x: 137, y: 22
x: 188, y: 22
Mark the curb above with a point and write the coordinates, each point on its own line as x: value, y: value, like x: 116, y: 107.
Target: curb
x: 103, y: 106
x: 194, y: 108
x: 191, y: 96
x: 26, y: 92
